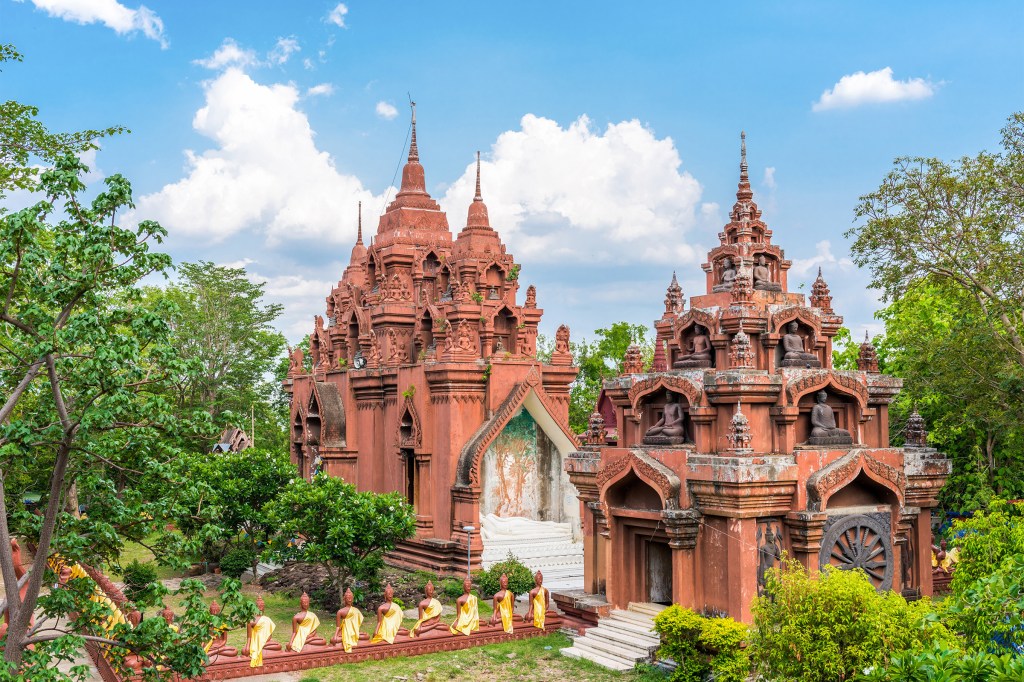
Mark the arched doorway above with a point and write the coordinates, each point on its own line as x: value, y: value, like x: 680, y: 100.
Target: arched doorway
x: 639, y: 541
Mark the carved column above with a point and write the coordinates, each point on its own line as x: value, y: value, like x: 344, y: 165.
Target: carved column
x: 906, y: 571
x: 582, y: 468
x: 784, y: 434
x: 682, y: 527
x: 805, y: 532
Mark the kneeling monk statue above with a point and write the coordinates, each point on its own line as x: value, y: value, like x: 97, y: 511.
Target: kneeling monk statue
x: 823, y: 425
x: 389, y: 619
x: 539, y: 602
x: 304, y: 625
x: 257, y: 636
x: 468, y: 620
x: 218, y: 644
x: 503, y: 599
x: 430, y: 613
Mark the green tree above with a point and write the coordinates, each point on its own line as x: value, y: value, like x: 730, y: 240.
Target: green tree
x: 328, y: 522
x: 84, y: 369
x: 224, y: 325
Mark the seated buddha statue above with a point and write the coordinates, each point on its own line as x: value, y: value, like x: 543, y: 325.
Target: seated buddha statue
x: 304, y: 625
x: 218, y: 644
x: 468, y: 619
x: 503, y: 609
x: 727, y: 276
x: 348, y: 620
x: 257, y: 636
x: 389, y: 619
x: 763, y: 276
x: 671, y: 428
x: 540, y: 601
x: 794, y: 354
x: 700, y: 354
x: 429, y: 613
x: 823, y: 425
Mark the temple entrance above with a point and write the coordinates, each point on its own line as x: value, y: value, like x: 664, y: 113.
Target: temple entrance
x: 659, y: 572
x: 528, y: 506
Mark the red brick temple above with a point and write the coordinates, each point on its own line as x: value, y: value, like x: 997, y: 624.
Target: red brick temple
x: 425, y: 380
x: 742, y: 442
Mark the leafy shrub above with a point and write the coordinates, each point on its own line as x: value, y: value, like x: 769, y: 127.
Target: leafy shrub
x: 520, y: 578
x: 944, y: 665
x: 452, y: 588
x: 237, y: 561
x: 139, y: 583
x: 989, y: 613
x: 702, y: 646
x: 835, y: 625
x: 986, y: 540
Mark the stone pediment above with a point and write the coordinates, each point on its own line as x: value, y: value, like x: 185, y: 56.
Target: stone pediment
x: 648, y: 469
x: 822, y: 484
x: 332, y: 414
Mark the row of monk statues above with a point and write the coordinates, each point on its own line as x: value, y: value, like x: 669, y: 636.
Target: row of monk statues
x: 760, y: 274
x: 670, y: 429
x: 349, y: 619
x: 700, y: 354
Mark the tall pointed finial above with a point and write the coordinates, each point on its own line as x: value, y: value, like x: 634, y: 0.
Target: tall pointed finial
x: 743, y: 156
x: 414, y: 152
x: 359, y: 231
x: 478, y: 197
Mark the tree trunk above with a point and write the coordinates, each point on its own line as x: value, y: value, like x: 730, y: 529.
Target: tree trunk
x: 990, y: 444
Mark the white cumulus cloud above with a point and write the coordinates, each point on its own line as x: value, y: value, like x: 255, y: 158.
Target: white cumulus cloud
x: 806, y: 269
x: 386, y: 110
x: 264, y: 173
x: 337, y: 15
x: 577, y: 194
x: 229, y: 53
x: 110, y: 13
x: 321, y: 89
x: 873, y: 87
x: 283, y: 49
x: 769, y: 177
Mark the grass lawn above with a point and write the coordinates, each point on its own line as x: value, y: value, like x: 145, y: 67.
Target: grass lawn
x: 133, y: 550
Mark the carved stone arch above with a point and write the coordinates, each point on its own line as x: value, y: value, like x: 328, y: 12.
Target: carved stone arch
x: 467, y: 472
x: 696, y: 316
x: 425, y: 265
x: 730, y: 250
x: 414, y: 439
x: 840, y: 383
x: 694, y: 393
x: 780, y: 319
x: 648, y: 470
x: 831, y: 479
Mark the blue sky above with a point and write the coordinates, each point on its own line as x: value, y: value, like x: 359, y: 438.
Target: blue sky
x: 609, y: 131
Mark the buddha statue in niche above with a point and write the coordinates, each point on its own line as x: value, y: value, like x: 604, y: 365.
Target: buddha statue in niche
x: 823, y: 425
x: 701, y: 353
x: 763, y: 276
x: 794, y: 354
x: 671, y: 428
x: 726, y: 277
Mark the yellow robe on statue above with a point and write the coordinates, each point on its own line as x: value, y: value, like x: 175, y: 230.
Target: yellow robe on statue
x: 261, y: 633
x: 306, y: 627
x: 433, y: 609
x: 350, y: 628
x: 505, y: 610
x: 539, y: 608
x: 469, y: 618
x: 389, y: 626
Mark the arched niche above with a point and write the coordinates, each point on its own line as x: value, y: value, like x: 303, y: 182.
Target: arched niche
x: 431, y: 265
x: 845, y: 408
x: 860, y: 492
x: 444, y: 276
x: 632, y: 492
x: 771, y: 262
x: 808, y: 333
x: 688, y: 355
x: 298, y: 440
x: 425, y: 332
x: 505, y: 324
x: 652, y: 410
x: 492, y: 282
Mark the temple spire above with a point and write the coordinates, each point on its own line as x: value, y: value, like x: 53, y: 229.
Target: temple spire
x: 359, y: 229
x: 743, y: 155
x: 414, y: 152
x: 478, y: 197
x: 743, y: 192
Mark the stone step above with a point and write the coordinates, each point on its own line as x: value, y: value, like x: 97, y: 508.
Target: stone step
x: 646, y: 608
x: 622, y: 656
x: 609, y: 663
x: 628, y: 628
x: 631, y: 617
x: 638, y: 644
x: 611, y: 629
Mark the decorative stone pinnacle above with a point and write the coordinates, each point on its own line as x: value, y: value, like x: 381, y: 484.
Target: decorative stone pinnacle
x: 478, y: 197
x: 674, y: 297
x: 915, y: 434
x: 867, y: 359
x: 359, y: 229
x: 414, y: 152
x: 743, y: 155
x: 739, y: 431
x: 820, y: 295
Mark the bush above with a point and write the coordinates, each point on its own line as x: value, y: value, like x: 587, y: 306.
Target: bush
x: 520, y: 578
x: 944, y: 665
x: 237, y: 561
x: 452, y: 588
x: 835, y: 625
x: 702, y: 646
x: 985, y: 541
x: 989, y: 613
x: 140, y: 583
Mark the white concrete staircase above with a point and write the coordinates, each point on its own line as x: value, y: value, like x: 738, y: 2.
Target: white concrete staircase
x: 622, y: 640
x: 542, y: 546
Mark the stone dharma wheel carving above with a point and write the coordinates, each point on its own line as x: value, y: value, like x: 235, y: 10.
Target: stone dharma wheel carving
x: 859, y: 541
